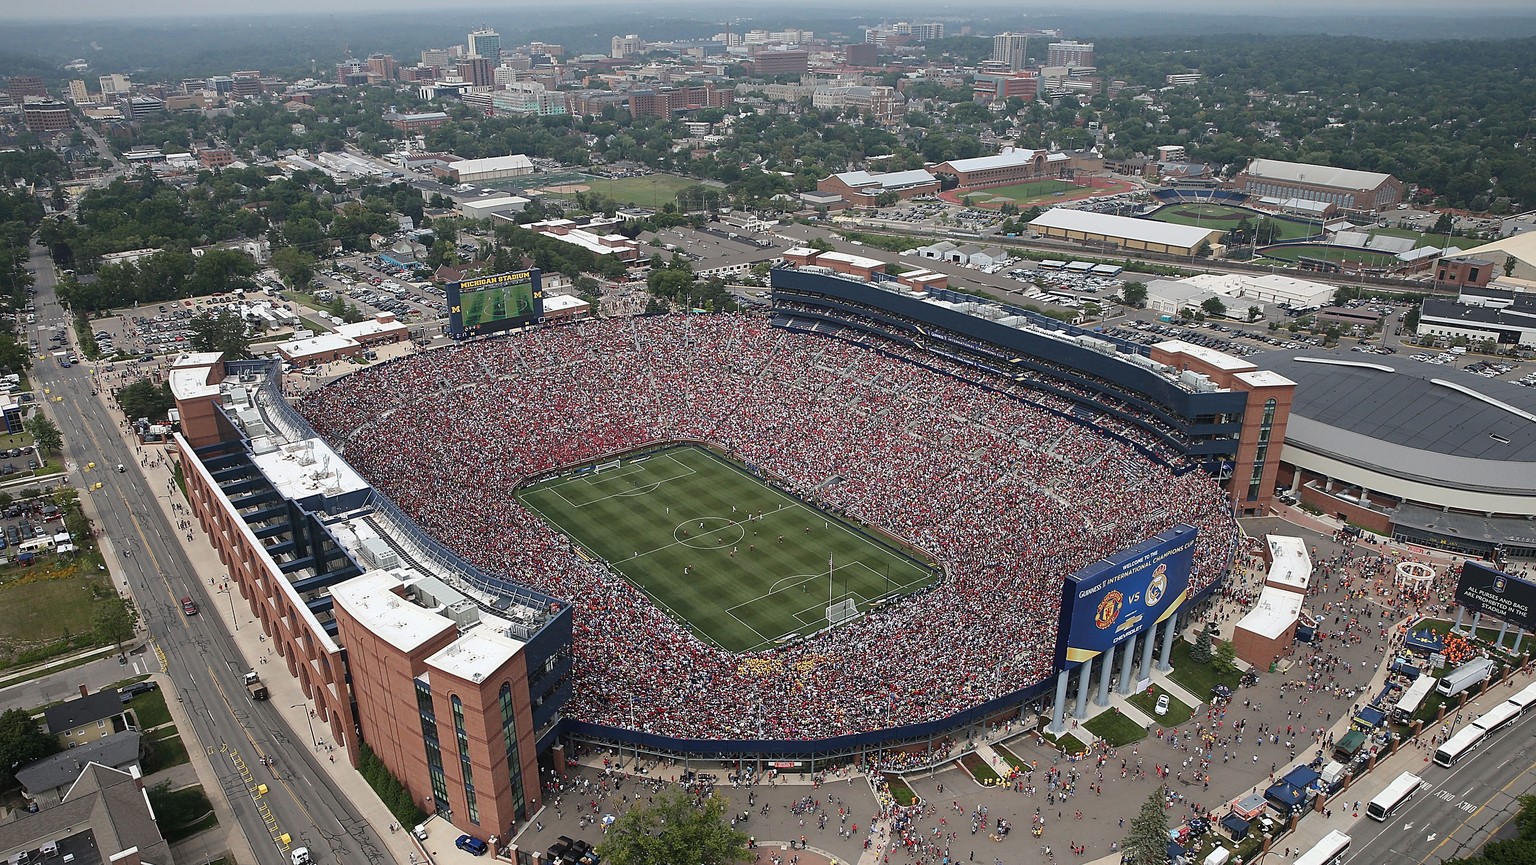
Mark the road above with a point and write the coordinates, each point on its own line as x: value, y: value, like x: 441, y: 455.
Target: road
x: 200, y: 655
x: 1460, y: 807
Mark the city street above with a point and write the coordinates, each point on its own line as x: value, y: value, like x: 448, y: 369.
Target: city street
x: 200, y: 657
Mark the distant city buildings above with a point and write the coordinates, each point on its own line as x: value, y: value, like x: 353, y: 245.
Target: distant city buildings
x: 45, y: 116
x: 626, y: 46
x: 1073, y: 55
x: 486, y: 43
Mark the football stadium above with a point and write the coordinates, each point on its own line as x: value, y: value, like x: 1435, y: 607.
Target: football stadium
x: 841, y: 530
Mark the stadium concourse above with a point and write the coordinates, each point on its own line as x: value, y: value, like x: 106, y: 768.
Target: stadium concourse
x: 1009, y: 496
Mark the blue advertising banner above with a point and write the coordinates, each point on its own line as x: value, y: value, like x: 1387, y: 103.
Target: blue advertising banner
x: 1487, y: 590
x: 1114, y: 599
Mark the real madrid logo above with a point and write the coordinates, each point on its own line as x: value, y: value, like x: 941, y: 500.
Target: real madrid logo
x: 1158, y: 586
x: 1109, y: 610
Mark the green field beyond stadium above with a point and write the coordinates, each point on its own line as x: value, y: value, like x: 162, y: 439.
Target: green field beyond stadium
x: 741, y: 563
x: 1023, y: 192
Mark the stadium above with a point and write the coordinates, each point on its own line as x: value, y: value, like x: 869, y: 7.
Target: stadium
x: 844, y: 530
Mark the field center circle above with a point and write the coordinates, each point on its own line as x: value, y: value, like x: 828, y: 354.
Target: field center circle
x: 709, y: 533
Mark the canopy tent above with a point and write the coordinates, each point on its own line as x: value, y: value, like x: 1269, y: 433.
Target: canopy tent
x: 1236, y: 826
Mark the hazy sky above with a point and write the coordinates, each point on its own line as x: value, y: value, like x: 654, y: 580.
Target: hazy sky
x: 504, y: 9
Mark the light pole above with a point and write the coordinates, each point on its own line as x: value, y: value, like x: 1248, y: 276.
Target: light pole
x: 231, y: 593
x: 308, y: 720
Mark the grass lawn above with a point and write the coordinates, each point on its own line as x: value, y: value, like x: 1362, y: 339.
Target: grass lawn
x: 1197, y: 678
x: 190, y: 803
x: 1116, y: 729
x: 749, y: 582
x: 47, y: 601
x: 652, y: 190
x: 1178, y: 712
x: 1066, y: 742
x: 166, y: 752
x: 1013, y: 759
x: 903, y: 794
x: 979, y: 769
x: 1428, y: 238
x: 1329, y: 253
x: 1225, y: 216
x: 1020, y: 192
x: 149, y: 707
x: 1443, y: 627
x: 15, y: 440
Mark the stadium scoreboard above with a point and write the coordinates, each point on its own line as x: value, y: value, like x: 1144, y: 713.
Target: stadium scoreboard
x: 1114, y: 599
x: 1484, y: 589
x: 486, y: 304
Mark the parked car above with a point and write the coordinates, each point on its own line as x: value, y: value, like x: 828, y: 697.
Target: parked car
x: 472, y: 845
x: 1162, y: 705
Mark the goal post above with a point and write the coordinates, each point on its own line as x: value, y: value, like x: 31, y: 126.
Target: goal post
x: 841, y: 611
x: 602, y: 467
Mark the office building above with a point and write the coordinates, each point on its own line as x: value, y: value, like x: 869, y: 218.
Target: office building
x: 78, y: 94
x: 921, y: 32
x: 42, y: 117
x: 528, y: 98
x: 24, y: 87
x: 1000, y: 87
x: 416, y: 122
x: 626, y: 46
x: 1012, y: 49
x: 246, y: 84
x: 351, y: 72
x: 1073, y: 55
x: 437, y: 58
x: 114, y: 84
x: 486, y: 43
x: 140, y: 107
x: 665, y: 102
x: 476, y: 70
x: 382, y: 67
x: 862, y: 54
x: 771, y: 62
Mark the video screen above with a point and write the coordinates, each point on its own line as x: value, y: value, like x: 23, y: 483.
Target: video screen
x: 485, y: 304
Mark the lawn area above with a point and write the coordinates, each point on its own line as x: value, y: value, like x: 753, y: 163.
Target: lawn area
x: 1197, y: 678
x: 182, y: 813
x: 1066, y: 742
x: 652, y: 190
x: 1443, y: 627
x: 1225, y: 217
x: 15, y: 440
x: 1013, y: 759
x: 149, y: 707
x: 1021, y: 192
x: 48, y: 603
x: 903, y: 794
x: 1146, y: 701
x: 165, y: 752
x: 680, y: 525
x: 1428, y: 238
x: 979, y: 769
x: 1328, y: 253
x: 1116, y: 729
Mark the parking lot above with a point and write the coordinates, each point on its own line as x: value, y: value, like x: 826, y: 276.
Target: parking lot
x: 374, y: 285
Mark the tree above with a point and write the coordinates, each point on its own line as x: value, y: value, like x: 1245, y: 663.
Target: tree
x: 1134, y: 294
x: 1509, y: 265
x: 1226, y: 658
x: 144, y: 398
x: 114, y: 622
x: 1147, y: 841
x: 1201, y: 652
x: 1443, y: 225
x: 1255, y: 313
x: 22, y: 741
x: 45, y: 433
x: 672, y: 830
x: 223, y: 331
x: 295, y: 266
x: 1213, y: 306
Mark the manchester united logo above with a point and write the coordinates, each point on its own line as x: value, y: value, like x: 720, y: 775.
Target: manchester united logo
x: 1109, y: 610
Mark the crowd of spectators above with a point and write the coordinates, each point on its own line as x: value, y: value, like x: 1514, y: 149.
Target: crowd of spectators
x: 1008, y: 496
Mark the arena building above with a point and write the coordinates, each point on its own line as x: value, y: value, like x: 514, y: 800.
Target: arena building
x: 861, y: 188
x: 1430, y: 455
x: 1346, y: 188
x: 1006, y: 168
x: 1124, y: 232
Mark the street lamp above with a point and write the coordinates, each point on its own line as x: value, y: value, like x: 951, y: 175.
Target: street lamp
x: 308, y: 720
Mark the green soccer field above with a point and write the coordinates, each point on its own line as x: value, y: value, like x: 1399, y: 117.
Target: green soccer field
x: 1022, y: 192
x: 741, y: 563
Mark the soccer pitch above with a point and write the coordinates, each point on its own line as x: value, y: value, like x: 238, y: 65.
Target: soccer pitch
x: 741, y: 563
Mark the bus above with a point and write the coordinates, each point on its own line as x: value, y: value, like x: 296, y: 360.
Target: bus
x: 1524, y: 699
x: 1329, y: 851
x: 1409, y: 705
x: 1465, y: 676
x: 1389, y: 800
x: 1497, y: 718
x: 1459, y: 745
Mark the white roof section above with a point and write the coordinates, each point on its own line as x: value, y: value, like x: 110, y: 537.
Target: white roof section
x: 1218, y: 359
x: 562, y: 302
x: 1263, y: 378
x: 516, y: 162
x: 479, y: 653
x: 369, y: 327
x: 320, y: 344
x: 1289, y: 565
x: 1268, y: 288
x: 189, y: 375
x: 307, y: 468
x: 850, y: 259
x: 1006, y: 159
x: 889, y: 180
x: 1128, y: 228
x: 1318, y: 175
x: 1276, y: 611
x: 500, y: 201
x: 371, y: 600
